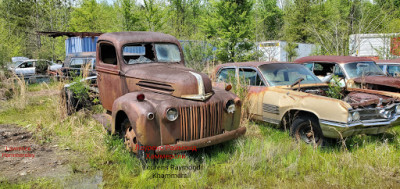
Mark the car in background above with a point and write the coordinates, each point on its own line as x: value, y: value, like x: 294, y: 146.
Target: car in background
x: 353, y: 72
x: 31, y: 67
x: 76, y: 62
x: 390, y: 67
x: 291, y: 96
x: 15, y: 61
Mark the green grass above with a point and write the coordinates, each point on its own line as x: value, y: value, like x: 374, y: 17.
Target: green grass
x: 264, y: 157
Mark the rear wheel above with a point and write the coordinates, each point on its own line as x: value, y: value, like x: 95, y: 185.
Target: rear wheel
x: 307, y: 129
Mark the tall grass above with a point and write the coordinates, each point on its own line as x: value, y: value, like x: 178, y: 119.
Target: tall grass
x: 265, y: 157
x: 14, y: 89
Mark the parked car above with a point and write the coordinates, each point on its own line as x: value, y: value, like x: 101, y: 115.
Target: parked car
x: 31, y: 67
x: 153, y: 100
x: 390, y: 67
x: 291, y: 96
x: 356, y: 72
x: 76, y: 62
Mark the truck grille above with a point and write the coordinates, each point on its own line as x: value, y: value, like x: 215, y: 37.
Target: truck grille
x: 156, y: 87
x: 200, y: 122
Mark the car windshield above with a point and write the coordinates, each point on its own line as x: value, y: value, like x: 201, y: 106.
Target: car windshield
x: 287, y: 74
x: 148, y: 53
x: 79, y: 62
x: 360, y: 69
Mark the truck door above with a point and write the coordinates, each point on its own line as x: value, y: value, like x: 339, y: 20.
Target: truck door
x: 108, y: 74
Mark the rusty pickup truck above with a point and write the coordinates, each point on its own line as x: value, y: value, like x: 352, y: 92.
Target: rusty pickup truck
x: 157, y: 103
x: 291, y: 96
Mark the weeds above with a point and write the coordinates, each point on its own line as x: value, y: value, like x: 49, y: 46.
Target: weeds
x: 334, y: 90
x: 14, y: 90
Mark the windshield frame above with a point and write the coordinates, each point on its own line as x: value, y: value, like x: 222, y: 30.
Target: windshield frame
x: 153, y: 49
x: 270, y: 84
x: 343, y: 66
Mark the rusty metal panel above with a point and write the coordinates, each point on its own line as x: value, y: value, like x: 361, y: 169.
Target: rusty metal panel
x: 201, y: 121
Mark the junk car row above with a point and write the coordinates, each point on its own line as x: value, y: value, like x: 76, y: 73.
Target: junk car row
x: 152, y: 99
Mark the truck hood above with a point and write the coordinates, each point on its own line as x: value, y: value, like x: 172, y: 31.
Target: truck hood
x: 379, y: 81
x: 176, y: 80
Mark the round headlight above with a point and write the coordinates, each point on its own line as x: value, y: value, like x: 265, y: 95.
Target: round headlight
x: 356, y: 116
x: 230, y: 106
x: 388, y: 114
x: 172, y: 114
x: 349, y: 118
x: 397, y: 109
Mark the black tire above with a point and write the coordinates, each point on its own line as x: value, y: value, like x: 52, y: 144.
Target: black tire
x: 302, y: 130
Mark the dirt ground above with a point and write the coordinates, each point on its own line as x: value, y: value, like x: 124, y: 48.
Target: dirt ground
x: 38, y: 160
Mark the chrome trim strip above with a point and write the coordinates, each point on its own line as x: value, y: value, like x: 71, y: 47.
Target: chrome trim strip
x: 269, y: 120
x: 368, y: 123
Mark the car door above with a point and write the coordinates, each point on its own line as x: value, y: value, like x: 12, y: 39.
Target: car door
x: 251, y: 77
x: 225, y: 76
x: 26, y: 68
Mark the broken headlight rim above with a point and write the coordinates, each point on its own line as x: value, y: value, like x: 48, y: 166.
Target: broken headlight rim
x: 397, y: 109
x: 172, y: 114
x: 230, y: 107
x: 355, y: 116
x: 349, y: 117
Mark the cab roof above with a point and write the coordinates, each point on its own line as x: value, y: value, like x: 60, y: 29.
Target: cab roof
x: 121, y: 38
x: 335, y: 59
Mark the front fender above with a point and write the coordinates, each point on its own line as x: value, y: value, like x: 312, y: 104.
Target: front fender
x: 147, y: 131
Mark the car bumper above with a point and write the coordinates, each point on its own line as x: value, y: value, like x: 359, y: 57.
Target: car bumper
x: 333, y: 129
x: 200, y: 143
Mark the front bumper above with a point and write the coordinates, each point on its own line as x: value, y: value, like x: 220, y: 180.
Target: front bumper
x: 332, y: 129
x: 200, y: 143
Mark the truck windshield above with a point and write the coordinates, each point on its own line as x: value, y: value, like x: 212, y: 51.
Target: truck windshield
x: 287, y: 74
x: 148, y: 53
x: 360, y: 69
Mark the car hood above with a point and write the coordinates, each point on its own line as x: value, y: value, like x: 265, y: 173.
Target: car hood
x: 176, y: 80
x: 379, y: 80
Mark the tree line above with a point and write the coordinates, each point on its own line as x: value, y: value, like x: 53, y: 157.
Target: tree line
x: 232, y: 26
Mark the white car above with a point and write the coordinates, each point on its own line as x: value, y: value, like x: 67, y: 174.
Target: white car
x: 32, y: 67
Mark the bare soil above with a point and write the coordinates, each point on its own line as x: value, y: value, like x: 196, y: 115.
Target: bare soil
x: 42, y: 161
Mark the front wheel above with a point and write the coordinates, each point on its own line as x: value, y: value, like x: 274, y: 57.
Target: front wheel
x: 307, y: 129
x: 131, y: 142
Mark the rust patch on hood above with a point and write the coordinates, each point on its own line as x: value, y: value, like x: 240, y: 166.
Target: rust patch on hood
x: 379, y: 80
x: 357, y: 99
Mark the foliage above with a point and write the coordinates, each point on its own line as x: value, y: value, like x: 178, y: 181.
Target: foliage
x: 269, y: 20
x: 197, y: 54
x: 231, y: 24
x: 334, y: 90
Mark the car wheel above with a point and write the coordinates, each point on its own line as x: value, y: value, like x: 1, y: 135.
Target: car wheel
x: 131, y: 143
x: 307, y: 129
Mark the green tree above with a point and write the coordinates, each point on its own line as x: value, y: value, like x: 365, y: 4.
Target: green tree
x: 231, y: 25
x: 130, y: 18
x: 269, y: 20
x: 153, y: 15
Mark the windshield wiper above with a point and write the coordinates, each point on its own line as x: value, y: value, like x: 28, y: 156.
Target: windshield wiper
x: 298, y: 81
